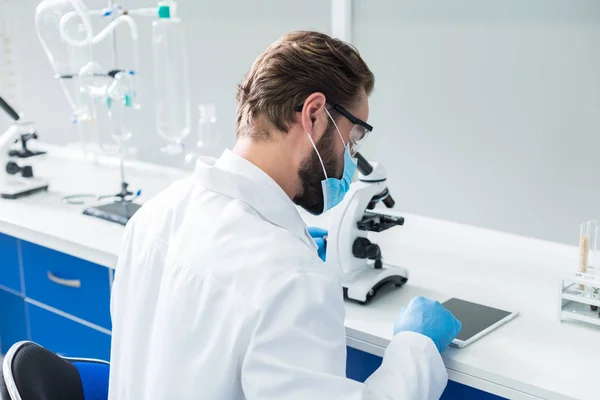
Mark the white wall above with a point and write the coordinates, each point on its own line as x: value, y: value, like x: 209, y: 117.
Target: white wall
x: 485, y: 111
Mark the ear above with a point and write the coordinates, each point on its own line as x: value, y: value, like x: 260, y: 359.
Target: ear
x: 314, y: 118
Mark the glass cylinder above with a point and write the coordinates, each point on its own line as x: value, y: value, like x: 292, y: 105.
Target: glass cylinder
x: 171, y: 82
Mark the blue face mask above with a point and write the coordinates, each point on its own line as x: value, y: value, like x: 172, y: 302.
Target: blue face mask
x: 334, y: 189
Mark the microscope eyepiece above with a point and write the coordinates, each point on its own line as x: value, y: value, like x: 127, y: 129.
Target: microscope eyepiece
x: 366, y: 168
x: 363, y: 165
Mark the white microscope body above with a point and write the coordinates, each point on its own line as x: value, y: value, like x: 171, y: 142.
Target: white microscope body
x: 349, y: 250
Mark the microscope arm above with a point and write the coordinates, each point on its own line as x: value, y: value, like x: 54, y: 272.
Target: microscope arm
x: 6, y: 140
x: 27, y: 133
x: 19, y: 129
x: 10, y: 135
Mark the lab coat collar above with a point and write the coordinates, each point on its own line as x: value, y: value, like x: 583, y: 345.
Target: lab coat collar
x: 236, y: 177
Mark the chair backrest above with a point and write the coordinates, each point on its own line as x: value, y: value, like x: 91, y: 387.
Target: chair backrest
x: 94, y: 377
x: 30, y: 371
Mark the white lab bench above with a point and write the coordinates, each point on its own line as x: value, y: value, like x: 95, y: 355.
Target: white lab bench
x: 533, y: 356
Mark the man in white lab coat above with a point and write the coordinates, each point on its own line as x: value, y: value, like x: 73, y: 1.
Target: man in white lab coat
x: 219, y: 292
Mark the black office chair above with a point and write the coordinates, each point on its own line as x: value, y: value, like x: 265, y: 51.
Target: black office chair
x: 30, y: 371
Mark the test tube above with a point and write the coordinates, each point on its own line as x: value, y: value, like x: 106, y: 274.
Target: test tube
x: 592, y: 231
x: 594, y: 268
x: 587, y: 247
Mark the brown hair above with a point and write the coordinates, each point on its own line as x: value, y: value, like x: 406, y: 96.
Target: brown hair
x: 288, y: 71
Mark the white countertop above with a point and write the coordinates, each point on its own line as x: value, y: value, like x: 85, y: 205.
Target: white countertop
x: 44, y: 219
x: 533, y: 355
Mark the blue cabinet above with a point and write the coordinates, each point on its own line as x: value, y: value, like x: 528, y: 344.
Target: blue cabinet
x: 360, y: 365
x: 13, y: 322
x: 66, y: 337
x: 54, y: 299
x: 67, y: 283
x: 10, y: 273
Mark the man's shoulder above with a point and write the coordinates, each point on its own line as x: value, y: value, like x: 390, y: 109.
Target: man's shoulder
x: 266, y: 255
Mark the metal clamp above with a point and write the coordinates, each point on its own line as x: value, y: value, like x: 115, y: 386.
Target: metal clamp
x: 74, y: 283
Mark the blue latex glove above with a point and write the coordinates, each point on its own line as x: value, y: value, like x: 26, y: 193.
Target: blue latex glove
x: 428, y: 317
x: 318, y: 235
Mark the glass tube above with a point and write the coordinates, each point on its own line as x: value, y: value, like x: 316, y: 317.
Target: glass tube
x: 587, y: 247
x: 594, y: 269
x: 206, y: 133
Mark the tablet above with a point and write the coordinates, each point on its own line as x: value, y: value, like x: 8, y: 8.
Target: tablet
x: 477, y: 320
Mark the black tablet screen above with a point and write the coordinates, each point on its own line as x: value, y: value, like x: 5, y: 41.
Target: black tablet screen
x: 474, y: 317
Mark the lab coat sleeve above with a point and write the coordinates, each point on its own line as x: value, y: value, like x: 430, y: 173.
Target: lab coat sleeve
x: 412, y: 368
x: 298, y: 350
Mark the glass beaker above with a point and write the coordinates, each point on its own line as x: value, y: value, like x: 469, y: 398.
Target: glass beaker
x: 207, y: 139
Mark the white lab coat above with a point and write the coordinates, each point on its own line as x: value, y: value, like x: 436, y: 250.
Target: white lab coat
x: 219, y: 294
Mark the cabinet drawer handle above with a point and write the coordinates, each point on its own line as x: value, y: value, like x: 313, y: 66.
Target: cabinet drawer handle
x: 74, y: 283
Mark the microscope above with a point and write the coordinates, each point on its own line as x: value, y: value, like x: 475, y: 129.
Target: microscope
x: 349, y: 251
x: 18, y: 180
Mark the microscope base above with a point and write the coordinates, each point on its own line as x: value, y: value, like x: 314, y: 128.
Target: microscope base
x: 15, y: 188
x: 366, y: 285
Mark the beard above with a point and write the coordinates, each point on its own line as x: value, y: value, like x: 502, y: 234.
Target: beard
x: 311, y: 173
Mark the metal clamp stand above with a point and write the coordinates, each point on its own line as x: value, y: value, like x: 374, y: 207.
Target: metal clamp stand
x: 123, y: 207
x: 123, y: 195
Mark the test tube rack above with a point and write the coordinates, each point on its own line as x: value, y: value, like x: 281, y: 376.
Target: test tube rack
x: 580, y: 298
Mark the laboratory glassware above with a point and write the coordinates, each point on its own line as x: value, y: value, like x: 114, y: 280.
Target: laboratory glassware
x: 587, y: 243
x: 207, y: 139
x: 68, y: 61
x: 171, y: 81
x: 207, y: 144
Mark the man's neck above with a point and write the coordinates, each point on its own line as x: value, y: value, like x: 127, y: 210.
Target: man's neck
x: 272, y: 158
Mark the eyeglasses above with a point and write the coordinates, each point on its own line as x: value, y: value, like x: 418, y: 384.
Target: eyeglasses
x: 359, y: 131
